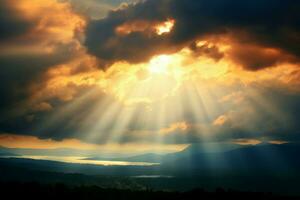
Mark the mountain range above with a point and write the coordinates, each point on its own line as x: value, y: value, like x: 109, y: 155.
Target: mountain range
x: 259, y: 157
x: 244, y: 168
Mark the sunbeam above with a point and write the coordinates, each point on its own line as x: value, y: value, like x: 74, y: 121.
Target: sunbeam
x: 150, y: 95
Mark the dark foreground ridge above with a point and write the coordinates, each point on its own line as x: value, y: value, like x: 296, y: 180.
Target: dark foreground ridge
x: 34, y: 190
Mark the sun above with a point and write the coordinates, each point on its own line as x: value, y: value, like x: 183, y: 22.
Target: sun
x: 160, y: 64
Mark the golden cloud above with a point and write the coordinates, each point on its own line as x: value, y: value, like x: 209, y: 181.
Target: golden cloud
x: 179, y: 126
x: 22, y: 141
x: 160, y: 77
x: 221, y: 120
x: 32, y: 142
x: 247, y: 141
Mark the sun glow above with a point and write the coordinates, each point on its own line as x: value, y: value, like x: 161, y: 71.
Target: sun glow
x: 160, y: 77
x: 160, y: 64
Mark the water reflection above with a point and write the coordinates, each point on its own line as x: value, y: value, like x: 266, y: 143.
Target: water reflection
x: 82, y: 160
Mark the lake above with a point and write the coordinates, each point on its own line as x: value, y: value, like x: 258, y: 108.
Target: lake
x: 82, y: 160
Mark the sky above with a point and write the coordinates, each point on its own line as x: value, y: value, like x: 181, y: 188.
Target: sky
x: 148, y: 76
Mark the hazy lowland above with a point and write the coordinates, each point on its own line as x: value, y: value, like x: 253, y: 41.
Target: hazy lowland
x: 240, y: 169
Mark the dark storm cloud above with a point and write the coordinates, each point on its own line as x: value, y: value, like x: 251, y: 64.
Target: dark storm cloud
x: 23, y: 53
x: 12, y: 73
x: 19, y: 71
x: 12, y: 24
x: 255, y: 57
x: 28, y: 48
x: 274, y: 113
x: 96, y: 9
x: 68, y: 119
x: 265, y: 23
x: 209, y: 51
x: 103, y: 41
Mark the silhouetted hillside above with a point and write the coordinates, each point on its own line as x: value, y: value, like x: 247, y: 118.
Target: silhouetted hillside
x: 61, y: 191
x: 141, y: 177
x: 6, y: 152
x: 260, y: 157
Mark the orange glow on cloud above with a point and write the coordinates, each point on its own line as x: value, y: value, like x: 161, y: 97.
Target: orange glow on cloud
x: 20, y: 141
x: 146, y: 27
x: 247, y: 141
x: 190, y: 72
x: 62, y: 81
x: 165, y: 27
x: 180, y: 126
x: 278, y: 142
x: 221, y: 120
x: 31, y: 142
x: 54, y: 24
x: 161, y: 76
x: 134, y: 26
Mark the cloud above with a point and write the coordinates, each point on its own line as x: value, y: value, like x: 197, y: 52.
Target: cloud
x: 97, y: 9
x: 31, y: 142
x: 38, y: 36
x: 179, y: 126
x: 208, y: 50
x: 246, y: 141
x: 43, y: 106
x: 232, y: 72
x: 221, y: 120
x: 30, y: 145
x: 12, y: 24
x: 95, y: 116
x: 266, y: 24
x: 278, y: 142
x: 256, y: 57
